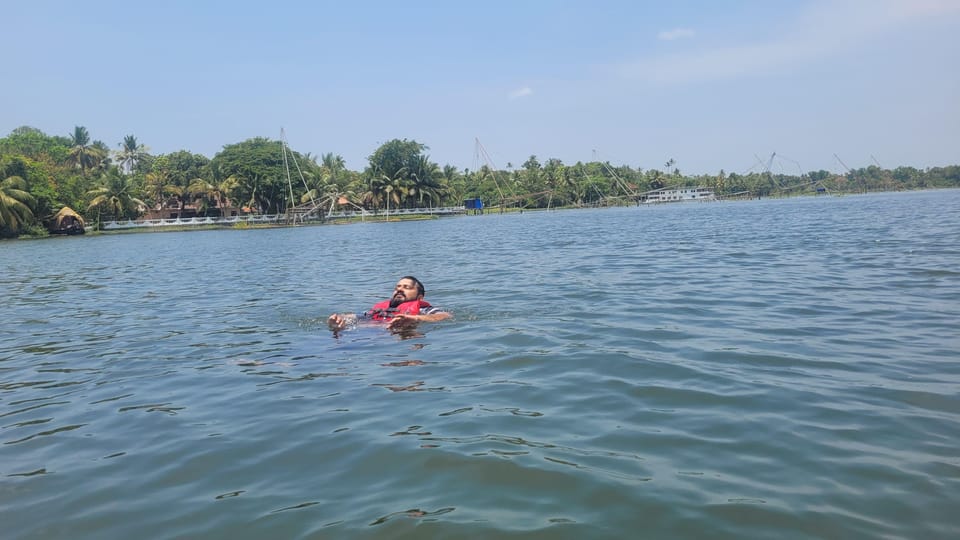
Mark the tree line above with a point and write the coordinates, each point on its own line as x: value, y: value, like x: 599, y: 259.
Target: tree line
x: 40, y: 174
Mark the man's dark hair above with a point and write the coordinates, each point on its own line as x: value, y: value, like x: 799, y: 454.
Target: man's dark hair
x: 420, y: 290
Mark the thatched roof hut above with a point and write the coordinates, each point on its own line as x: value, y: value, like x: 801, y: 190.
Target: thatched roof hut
x: 67, y: 222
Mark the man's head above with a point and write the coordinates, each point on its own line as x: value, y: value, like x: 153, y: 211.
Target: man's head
x: 408, y: 289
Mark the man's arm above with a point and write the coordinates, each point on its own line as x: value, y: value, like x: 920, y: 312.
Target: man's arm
x: 405, y: 319
x: 432, y: 317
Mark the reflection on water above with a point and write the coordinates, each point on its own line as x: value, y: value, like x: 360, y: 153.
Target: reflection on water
x: 772, y: 368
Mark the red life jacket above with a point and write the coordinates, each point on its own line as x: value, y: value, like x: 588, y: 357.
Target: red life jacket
x: 383, y: 312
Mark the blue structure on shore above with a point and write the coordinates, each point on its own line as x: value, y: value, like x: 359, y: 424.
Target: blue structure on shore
x: 474, y: 204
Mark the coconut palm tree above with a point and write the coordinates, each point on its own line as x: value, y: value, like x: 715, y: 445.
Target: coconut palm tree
x: 226, y: 190
x: 115, y: 196
x: 334, y: 166
x: 427, y: 178
x: 16, y: 204
x: 319, y: 192
x: 397, y: 188
x: 155, y: 184
x: 131, y: 152
x: 372, y: 192
x: 560, y: 181
x: 455, y: 182
x: 101, y: 156
x: 207, y: 193
x: 83, y: 154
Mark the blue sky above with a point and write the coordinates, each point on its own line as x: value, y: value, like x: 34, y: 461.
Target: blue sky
x: 712, y: 85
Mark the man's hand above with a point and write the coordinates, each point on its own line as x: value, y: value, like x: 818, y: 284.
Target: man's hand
x: 339, y: 321
x: 403, y: 320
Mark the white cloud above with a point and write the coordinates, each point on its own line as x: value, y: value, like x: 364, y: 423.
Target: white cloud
x: 676, y: 33
x: 825, y: 28
x: 521, y: 92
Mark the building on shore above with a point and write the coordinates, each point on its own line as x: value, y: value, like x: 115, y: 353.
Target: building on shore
x: 189, y: 211
x: 679, y: 195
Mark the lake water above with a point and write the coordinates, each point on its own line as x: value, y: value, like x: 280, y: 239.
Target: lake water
x: 761, y: 369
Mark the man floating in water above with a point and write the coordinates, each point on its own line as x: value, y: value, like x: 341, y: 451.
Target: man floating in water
x: 404, y: 309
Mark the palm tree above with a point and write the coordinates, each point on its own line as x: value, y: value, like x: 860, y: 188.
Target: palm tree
x: 155, y: 184
x: 319, y: 193
x: 79, y: 147
x: 131, y: 152
x: 15, y: 204
x: 115, y: 196
x: 227, y: 189
x: 455, y: 183
x: 101, y: 156
x: 559, y: 181
x: 327, y: 180
x: 82, y: 153
x: 181, y: 193
x: 397, y: 189
x: 657, y: 182
x: 207, y: 193
x: 427, y: 180
x: 720, y: 183
x: 373, y: 192
x: 334, y: 166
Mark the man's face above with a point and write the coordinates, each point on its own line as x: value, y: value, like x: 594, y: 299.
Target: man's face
x: 405, y: 291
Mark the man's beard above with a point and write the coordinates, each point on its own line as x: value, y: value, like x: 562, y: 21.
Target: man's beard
x: 397, y: 300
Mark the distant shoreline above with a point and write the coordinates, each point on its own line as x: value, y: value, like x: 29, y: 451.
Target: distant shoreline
x: 427, y: 217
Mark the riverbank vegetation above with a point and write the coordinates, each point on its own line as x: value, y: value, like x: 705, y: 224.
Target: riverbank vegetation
x: 40, y: 174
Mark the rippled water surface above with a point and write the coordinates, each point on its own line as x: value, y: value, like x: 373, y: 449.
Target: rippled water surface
x: 762, y: 369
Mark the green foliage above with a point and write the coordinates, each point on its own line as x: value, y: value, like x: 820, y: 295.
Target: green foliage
x: 27, y: 142
x: 399, y: 174
x: 182, y: 167
x: 116, y: 197
x: 154, y: 186
x: 56, y: 171
x: 16, y: 206
x: 168, y: 178
x: 395, y: 159
x: 73, y: 189
x: 329, y: 178
x: 208, y: 196
x: 260, y: 176
x: 34, y: 230
x: 82, y: 153
x: 39, y: 177
x: 131, y: 154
